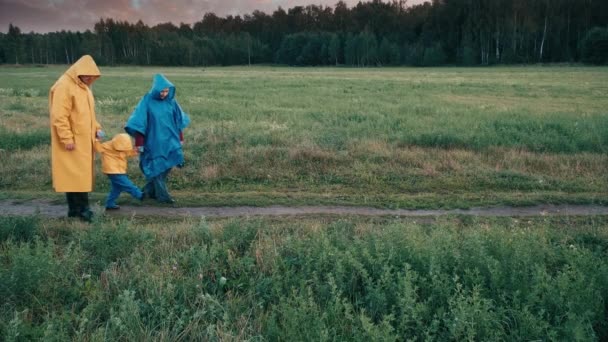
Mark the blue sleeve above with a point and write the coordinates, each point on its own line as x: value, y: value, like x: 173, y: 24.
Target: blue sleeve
x: 138, y: 121
x: 181, y: 118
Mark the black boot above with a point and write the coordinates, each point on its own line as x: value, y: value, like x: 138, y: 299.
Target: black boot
x: 85, y: 213
x: 73, y: 208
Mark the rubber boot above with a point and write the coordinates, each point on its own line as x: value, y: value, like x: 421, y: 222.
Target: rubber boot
x: 73, y: 209
x: 85, y: 211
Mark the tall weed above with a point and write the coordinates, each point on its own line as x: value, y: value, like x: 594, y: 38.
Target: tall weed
x: 18, y: 228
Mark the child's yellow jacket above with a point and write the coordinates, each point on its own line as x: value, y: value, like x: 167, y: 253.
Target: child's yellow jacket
x: 114, y: 154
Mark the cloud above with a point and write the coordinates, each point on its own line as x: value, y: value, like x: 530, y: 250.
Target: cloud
x: 79, y: 15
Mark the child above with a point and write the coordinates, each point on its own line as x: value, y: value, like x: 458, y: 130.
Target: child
x: 114, y: 154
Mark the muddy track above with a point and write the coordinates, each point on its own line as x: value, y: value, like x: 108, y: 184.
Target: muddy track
x: 47, y: 209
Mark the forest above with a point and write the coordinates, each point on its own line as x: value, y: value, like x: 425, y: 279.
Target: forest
x: 369, y: 34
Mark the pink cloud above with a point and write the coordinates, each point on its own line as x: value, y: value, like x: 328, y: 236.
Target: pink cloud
x: 78, y: 15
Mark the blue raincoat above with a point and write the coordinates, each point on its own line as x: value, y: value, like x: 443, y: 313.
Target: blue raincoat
x: 160, y: 122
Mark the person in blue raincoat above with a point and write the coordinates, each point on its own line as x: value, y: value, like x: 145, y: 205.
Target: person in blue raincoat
x: 157, y: 124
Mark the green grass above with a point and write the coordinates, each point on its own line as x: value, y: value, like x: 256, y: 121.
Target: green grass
x: 348, y: 136
x: 457, y: 278
x: 11, y: 141
x: 398, y: 138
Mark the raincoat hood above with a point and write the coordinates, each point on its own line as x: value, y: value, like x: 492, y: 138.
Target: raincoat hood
x: 85, y: 66
x: 122, y: 142
x: 159, y: 83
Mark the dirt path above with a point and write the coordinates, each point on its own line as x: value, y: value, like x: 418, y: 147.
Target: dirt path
x: 47, y: 209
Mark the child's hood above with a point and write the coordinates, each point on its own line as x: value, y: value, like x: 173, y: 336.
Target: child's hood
x: 159, y: 83
x: 122, y: 142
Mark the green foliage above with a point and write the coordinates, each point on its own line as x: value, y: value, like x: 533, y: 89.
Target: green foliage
x: 38, y: 280
x: 255, y: 37
x: 334, y: 49
x: 309, y: 49
x: 594, y: 47
x: 110, y: 244
x: 434, y: 56
x: 13, y: 141
x: 17, y: 228
x: 388, y: 53
x: 469, y: 57
x: 239, y: 237
x: 455, y: 279
x: 362, y: 50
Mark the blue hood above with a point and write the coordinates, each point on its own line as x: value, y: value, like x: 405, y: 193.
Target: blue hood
x: 159, y: 83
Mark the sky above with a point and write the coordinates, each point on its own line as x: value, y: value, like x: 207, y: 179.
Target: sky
x: 79, y: 15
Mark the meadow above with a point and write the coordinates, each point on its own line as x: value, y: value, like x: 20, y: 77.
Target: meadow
x: 393, y: 138
x: 390, y: 137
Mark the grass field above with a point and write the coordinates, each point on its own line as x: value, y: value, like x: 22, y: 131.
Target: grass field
x: 408, y: 138
x: 403, y: 137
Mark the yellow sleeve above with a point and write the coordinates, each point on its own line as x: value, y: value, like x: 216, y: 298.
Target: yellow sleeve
x: 98, y: 146
x: 61, y: 107
x: 132, y: 153
x: 102, y: 147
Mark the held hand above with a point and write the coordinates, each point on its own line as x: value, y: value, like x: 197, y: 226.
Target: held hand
x: 70, y: 147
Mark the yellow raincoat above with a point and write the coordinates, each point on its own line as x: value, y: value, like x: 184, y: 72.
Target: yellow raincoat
x: 72, y: 116
x: 114, y: 154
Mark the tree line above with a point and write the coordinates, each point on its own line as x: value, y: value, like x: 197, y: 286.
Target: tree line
x: 372, y: 33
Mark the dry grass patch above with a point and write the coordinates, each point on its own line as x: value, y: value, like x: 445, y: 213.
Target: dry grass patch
x: 312, y: 155
x: 582, y: 165
x: 210, y: 172
x: 374, y: 148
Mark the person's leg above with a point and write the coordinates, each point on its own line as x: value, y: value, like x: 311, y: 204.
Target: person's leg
x: 132, y: 189
x: 73, y: 209
x: 115, y: 191
x: 123, y: 183
x: 85, y: 213
x: 160, y: 188
x: 148, y: 189
x: 85, y: 201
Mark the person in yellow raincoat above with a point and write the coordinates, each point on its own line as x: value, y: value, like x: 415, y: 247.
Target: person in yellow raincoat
x: 114, y: 154
x: 74, y: 129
